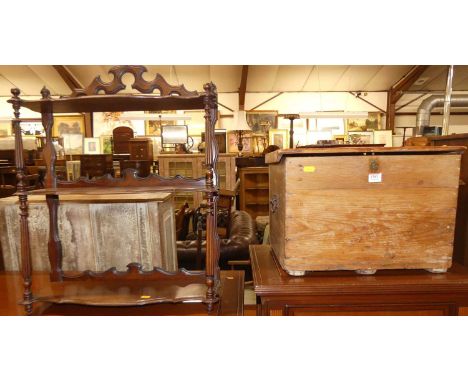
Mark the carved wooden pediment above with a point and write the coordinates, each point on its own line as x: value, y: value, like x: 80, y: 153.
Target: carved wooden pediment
x: 140, y: 84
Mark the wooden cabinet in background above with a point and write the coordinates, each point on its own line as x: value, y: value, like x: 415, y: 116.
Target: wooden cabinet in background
x: 141, y: 149
x: 254, y: 190
x: 121, y: 136
x: 193, y: 165
x: 96, y: 165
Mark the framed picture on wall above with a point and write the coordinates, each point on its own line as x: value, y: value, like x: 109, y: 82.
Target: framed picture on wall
x: 73, y: 144
x: 92, y: 146
x: 32, y: 127
x: 153, y: 127
x: 372, y: 122
x: 383, y: 136
x: 361, y: 137
x: 262, y: 121
x: 279, y: 137
x: 68, y: 124
x: 106, y: 144
x: 5, y: 129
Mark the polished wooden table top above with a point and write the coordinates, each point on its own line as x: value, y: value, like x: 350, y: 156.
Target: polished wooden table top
x: 269, y: 279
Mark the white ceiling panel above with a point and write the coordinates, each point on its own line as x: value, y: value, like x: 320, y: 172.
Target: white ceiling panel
x: 386, y: 77
x: 356, y: 77
x: 291, y: 77
x: 226, y: 77
x: 193, y: 76
x: 262, y: 78
x: 51, y: 79
x: 22, y: 77
x: 324, y: 77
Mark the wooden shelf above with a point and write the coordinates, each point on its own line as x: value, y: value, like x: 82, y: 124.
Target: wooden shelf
x: 124, y: 293
x: 254, y: 203
x: 254, y: 180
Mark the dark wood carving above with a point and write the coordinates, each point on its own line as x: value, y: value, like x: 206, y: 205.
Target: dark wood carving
x: 143, y: 86
x: 135, y: 271
x: 54, y: 245
x: 88, y: 100
x: 129, y: 178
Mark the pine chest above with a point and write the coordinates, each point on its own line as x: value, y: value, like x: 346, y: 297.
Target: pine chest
x: 363, y: 209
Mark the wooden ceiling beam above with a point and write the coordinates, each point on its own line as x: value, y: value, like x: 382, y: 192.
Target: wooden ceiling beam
x: 68, y: 77
x: 73, y: 83
x: 243, y: 86
x: 396, y: 92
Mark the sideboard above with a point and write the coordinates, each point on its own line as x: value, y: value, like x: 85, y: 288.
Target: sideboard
x: 193, y: 166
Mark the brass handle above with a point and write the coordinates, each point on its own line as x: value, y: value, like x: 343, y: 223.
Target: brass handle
x: 274, y: 203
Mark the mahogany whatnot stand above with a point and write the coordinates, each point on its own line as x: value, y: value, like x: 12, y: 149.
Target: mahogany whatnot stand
x: 100, y: 96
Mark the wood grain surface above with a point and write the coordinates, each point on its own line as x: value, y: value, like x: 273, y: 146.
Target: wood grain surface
x: 330, y: 217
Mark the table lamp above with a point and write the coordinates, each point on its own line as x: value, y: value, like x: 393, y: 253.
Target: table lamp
x: 240, y: 127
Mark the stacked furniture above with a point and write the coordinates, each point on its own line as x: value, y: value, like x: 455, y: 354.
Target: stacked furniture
x: 134, y: 287
x: 193, y: 165
x: 96, y: 165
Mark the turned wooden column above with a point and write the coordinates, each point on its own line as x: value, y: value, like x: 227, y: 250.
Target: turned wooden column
x: 24, y: 209
x: 291, y: 118
x: 212, y: 181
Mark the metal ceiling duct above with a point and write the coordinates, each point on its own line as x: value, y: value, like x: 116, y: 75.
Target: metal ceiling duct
x: 448, y: 101
x: 423, y: 115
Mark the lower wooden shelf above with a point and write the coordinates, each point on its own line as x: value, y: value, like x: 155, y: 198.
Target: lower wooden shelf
x: 131, y: 297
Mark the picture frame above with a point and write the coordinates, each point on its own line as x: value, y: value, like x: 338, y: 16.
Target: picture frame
x: 73, y: 144
x: 154, y: 127
x: 279, y: 137
x: 383, y: 136
x: 5, y: 129
x: 262, y: 121
x: 246, y: 141
x: 106, y: 144
x: 259, y: 143
x: 92, y: 146
x: 32, y: 127
x: 68, y: 124
x: 371, y: 123
x: 361, y: 137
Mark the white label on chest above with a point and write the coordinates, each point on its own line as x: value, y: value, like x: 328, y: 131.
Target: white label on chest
x: 375, y: 177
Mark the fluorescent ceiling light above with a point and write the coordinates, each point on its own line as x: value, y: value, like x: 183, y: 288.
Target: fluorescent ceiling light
x: 155, y: 117
x: 335, y: 114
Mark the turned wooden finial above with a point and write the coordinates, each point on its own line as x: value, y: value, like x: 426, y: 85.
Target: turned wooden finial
x: 15, y: 101
x: 45, y: 92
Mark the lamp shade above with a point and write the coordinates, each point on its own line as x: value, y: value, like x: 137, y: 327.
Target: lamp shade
x: 240, y: 121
